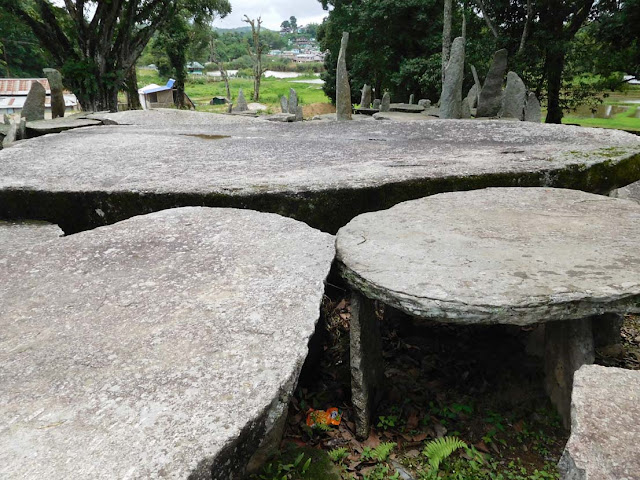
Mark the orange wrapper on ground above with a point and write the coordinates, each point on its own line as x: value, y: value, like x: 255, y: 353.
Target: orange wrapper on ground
x: 332, y: 416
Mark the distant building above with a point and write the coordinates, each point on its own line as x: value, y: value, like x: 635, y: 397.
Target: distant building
x: 195, y: 68
x: 157, y: 96
x: 14, y: 91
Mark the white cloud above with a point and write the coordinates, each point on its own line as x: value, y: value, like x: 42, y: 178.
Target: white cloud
x: 273, y: 12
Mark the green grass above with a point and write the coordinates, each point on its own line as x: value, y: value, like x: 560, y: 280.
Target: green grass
x: 202, y: 89
x: 621, y: 121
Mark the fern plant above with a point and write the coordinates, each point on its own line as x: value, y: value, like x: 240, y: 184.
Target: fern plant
x: 337, y: 455
x: 441, y: 448
x: 380, y: 453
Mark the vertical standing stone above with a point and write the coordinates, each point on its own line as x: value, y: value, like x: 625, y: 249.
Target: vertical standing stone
x: 514, y: 98
x: 57, y: 96
x: 284, y: 104
x: 532, y: 110
x: 451, y: 99
x: 241, y: 103
x: 385, y: 105
x: 491, y: 94
x: 293, y: 101
x: 12, y: 134
x: 343, y: 89
x: 376, y: 104
x: 472, y: 96
x: 568, y: 346
x: 34, y: 105
x: 365, y: 99
x: 476, y: 81
x: 367, y: 367
x: 465, y: 109
x: 412, y: 99
x: 299, y: 114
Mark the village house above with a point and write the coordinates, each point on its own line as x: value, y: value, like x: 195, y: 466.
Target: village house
x: 14, y: 91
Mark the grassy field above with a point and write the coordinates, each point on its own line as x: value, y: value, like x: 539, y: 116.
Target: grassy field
x: 201, y: 89
x: 623, y: 121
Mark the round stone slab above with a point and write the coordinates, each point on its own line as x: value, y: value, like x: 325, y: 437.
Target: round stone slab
x: 322, y: 173
x: 163, y: 346
x: 498, y: 255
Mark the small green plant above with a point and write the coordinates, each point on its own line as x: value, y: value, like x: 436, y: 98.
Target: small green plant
x: 338, y: 455
x: 289, y: 471
x: 381, y: 472
x: 386, y: 422
x: 441, y: 448
x: 380, y: 453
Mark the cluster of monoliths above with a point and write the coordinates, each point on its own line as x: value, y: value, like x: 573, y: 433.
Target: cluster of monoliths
x: 451, y: 99
x: 365, y: 99
x: 512, y: 102
x: 57, y: 96
x: 343, y: 89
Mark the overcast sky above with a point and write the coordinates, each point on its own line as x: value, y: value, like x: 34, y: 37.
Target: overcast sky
x: 273, y: 12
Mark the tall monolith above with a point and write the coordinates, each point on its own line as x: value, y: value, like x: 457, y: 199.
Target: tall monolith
x: 514, y: 98
x: 57, y: 96
x: 365, y: 99
x: 292, y: 103
x: 490, y: 100
x: 533, y: 111
x: 284, y: 104
x: 33, y: 108
x: 343, y: 89
x: 476, y: 81
x: 385, y: 105
x: 451, y: 99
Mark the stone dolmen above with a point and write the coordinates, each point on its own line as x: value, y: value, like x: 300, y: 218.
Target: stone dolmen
x: 515, y: 256
x: 163, y: 346
x: 605, y: 419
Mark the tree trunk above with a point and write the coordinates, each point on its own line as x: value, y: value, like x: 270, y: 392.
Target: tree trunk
x: 225, y: 77
x: 446, y: 34
x: 131, y: 88
x: 554, y: 66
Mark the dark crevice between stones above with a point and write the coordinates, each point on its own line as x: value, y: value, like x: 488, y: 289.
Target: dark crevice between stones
x: 326, y: 210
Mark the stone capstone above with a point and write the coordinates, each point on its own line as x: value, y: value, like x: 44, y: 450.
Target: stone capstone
x: 241, y: 103
x: 57, y: 92
x: 385, y: 105
x: 343, y: 89
x: 451, y: 99
x: 292, y: 103
x: 406, y: 108
x: 33, y: 108
x: 365, y: 99
x: 167, y: 345
x: 630, y: 192
x: 532, y: 109
x: 514, y: 98
x: 281, y: 117
x: 490, y: 100
x: 18, y: 234
x: 44, y: 127
x: 499, y: 255
x: 605, y: 425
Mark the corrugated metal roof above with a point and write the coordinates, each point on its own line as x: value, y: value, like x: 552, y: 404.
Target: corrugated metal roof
x: 20, y: 86
x: 18, y: 101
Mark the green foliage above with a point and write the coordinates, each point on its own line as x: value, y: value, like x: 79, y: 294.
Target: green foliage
x: 380, y: 453
x: 441, y: 448
x: 386, y: 422
x: 288, y: 471
x: 338, y: 455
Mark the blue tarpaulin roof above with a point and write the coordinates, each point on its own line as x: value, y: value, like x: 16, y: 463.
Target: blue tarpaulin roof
x: 168, y: 86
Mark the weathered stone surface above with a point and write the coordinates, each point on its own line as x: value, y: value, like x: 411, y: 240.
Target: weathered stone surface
x: 162, y: 346
x: 365, y: 98
x: 377, y: 103
x: 568, y: 345
x: 241, y: 103
x: 284, y: 104
x: 44, y: 127
x: 412, y: 99
x: 423, y: 102
x: 299, y: 114
x: 324, y: 173
x: 405, y: 108
x: 514, y: 98
x: 57, y: 92
x: 385, y: 105
x: 15, y: 235
x: 498, y: 256
x: 11, y: 134
x: 451, y: 99
x: 532, y: 109
x: 33, y: 108
x: 478, y: 85
x: 490, y: 99
x: 605, y: 419
x: 630, y: 192
x: 465, y: 110
x: 367, y: 365
x: 281, y: 117
x: 292, y: 102
x: 343, y: 88
x: 472, y: 97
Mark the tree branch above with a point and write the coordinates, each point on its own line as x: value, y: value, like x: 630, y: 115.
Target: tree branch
x: 487, y: 19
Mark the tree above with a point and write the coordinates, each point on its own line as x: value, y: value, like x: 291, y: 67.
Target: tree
x: 96, y: 43
x: 293, y: 21
x: 255, y: 49
x: 285, y: 26
x: 20, y: 52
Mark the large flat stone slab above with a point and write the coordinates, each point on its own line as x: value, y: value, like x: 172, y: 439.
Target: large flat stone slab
x: 164, y: 346
x: 21, y: 234
x: 605, y: 427
x: 499, y: 255
x: 630, y: 192
x: 323, y: 173
x: 57, y: 125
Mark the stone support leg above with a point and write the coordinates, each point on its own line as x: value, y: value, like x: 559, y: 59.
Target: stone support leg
x: 367, y: 368
x: 568, y: 346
